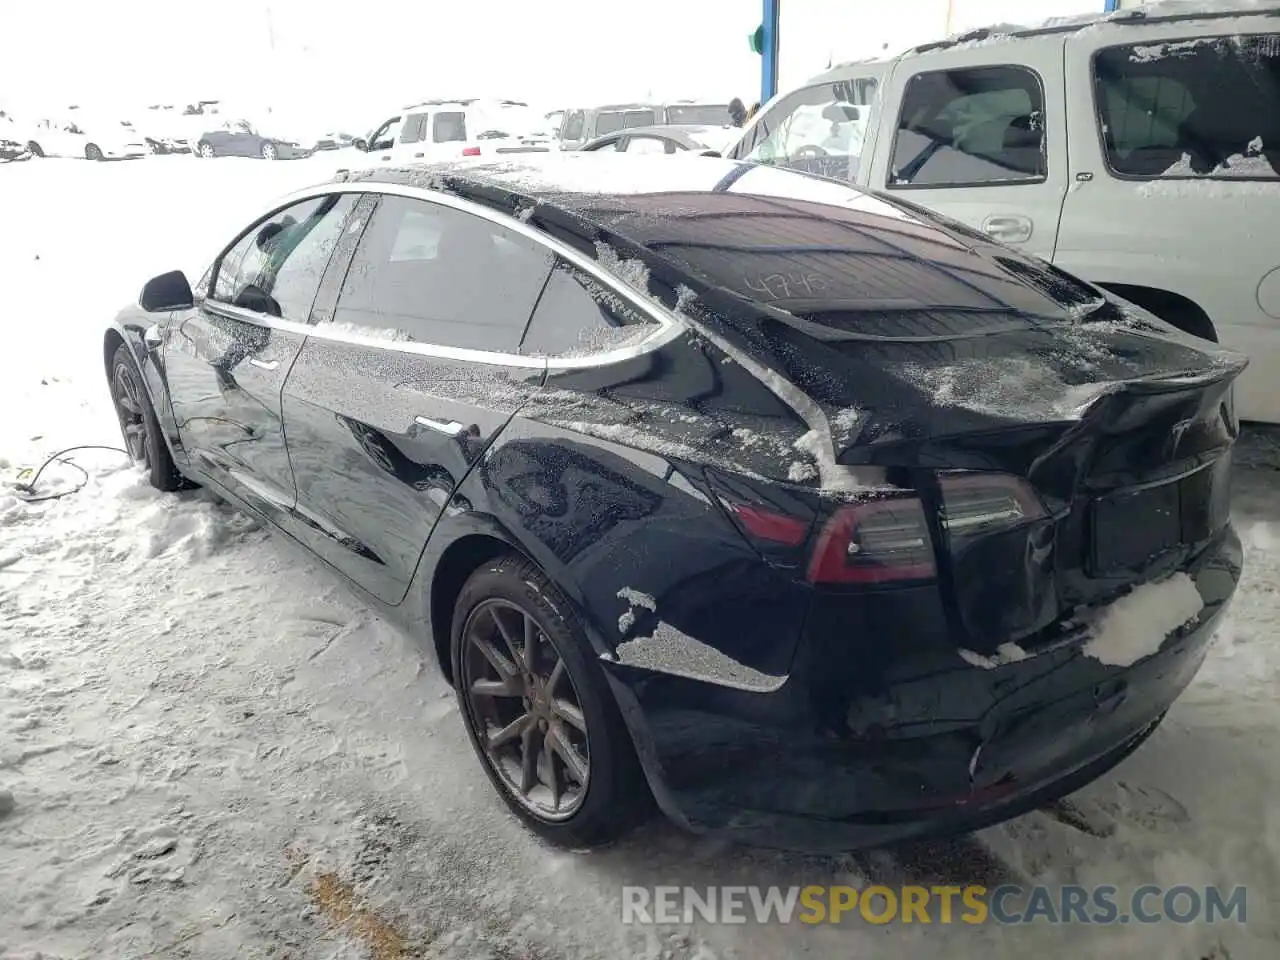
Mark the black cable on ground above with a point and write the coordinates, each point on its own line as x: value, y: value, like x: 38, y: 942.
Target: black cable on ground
x: 60, y: 457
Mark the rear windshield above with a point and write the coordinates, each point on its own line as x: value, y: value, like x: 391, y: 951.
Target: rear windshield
x: 703, y: 114
x: 1207, y: 107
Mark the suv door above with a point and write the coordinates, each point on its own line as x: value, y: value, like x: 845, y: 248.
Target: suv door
x: 413, y: 132
x: 227, y: 357
x: 1176, y: 146
x: 396, y: 395
x: 981, y: 137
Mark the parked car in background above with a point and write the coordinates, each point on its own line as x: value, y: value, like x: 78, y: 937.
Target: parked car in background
x: 333, y: 140
x: 86, y: 138
x: 697, y: 114
x: 1139, y: 150
x: 580, y: 127
x: 240, y: 138
x: 438, y: 130
x: 11, y: 150
x: 651, y: 458
x: 665, y: 139
x: 165, y: 128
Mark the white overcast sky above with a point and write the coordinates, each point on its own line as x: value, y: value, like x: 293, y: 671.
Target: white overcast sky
x: 354, y: 61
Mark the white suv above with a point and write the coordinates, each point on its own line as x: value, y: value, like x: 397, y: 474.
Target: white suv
x: 1138, y: 150
x: 450, y: 129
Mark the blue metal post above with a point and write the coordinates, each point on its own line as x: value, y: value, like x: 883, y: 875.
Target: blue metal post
x: 1111, y: 6
x: 769, y: 55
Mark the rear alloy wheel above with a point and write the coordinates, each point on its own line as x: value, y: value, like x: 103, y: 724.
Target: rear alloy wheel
x: 269, y: 151
x: 205, y: 150
x: 138, y: 423
x: 538, y: 711
x: 36, y: 149
x: 93, y: 152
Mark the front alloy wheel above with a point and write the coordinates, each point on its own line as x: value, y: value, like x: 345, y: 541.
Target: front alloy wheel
x: 269, y: 151
x: 131, y: 412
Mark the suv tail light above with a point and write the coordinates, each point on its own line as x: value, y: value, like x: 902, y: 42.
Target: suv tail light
x: 887, y: 540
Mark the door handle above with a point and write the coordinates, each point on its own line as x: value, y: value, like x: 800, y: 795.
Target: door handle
x: 450, y: 428
x: 1008, y: 228
x: 264, y: 364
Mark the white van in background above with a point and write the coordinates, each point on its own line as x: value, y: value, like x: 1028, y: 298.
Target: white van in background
x: 436, y: 130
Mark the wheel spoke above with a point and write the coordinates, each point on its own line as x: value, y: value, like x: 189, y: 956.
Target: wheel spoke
x: 509, y: 687
x: 507, y: 637
x: 555, y: 779
x: 530, y: 747
x: 575, y: 764
x: 531, y: 634
x: 509, y: 733
x: 569, y: 713
x: 505, y: 668
x: 556, y: 673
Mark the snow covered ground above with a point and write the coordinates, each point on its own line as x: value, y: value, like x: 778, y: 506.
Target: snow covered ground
x: 209, y: 749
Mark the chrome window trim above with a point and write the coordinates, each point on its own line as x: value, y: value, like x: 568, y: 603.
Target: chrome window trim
x: 666, y: 325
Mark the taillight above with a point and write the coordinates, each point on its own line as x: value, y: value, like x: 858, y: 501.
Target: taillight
x: 874, y: 542
x: 471, y: 151
x: 766, y: 525
x: 886, y: 540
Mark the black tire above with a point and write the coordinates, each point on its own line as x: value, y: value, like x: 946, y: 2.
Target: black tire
x: 92, y: 152
x: 615, y: 797
x: 138, y: 424
x: 36, y: 149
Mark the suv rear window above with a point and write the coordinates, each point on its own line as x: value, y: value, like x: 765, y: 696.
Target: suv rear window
x: 1207, y: 107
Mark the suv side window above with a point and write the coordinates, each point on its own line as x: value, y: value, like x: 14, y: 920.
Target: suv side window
x: 275, y: 268
x: 432, y: 274
x: 414, y: 129
x: 1203, y: 107
x: 571, y: 129
x: 449, y: 127
x: 576, y: 316
x: 970, y: 127
x: 819, y: 129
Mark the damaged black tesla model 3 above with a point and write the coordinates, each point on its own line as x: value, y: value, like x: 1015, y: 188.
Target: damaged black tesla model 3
x: 819, y: 519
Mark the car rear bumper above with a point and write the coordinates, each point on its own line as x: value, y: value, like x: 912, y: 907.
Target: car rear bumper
x: 928, y: 747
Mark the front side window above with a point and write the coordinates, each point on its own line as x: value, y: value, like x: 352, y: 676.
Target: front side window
x: 571, y: 129
x: 820, y: 129
x: 1208, y: 107
x: 275, y: 268
x: 414, y: 129
x: 449, y: 127
x: 432, y: 274
x: 971, y: 127
x: 576, y: 316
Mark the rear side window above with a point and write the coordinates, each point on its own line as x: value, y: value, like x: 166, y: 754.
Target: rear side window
x: 972, y: 127
x: 432, y: 274
x: 414, y: 129
x: 275, y: 269
x: 449, y: 127
x: 1207, y: 107
x: 608, y: 123
x: 577, y: 316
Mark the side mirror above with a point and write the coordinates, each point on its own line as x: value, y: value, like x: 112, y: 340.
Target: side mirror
x: 361, y: 144
x: 169, y: 291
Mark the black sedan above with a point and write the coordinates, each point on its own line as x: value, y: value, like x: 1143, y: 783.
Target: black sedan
x: 670, y: 138
x: 240, y: 138
x: 817, y: 518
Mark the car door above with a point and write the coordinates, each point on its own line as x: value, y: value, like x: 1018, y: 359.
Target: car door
x: 396, y: 395
x: 982, y: 139
x: 227, y: 357
x: 413, y: 133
